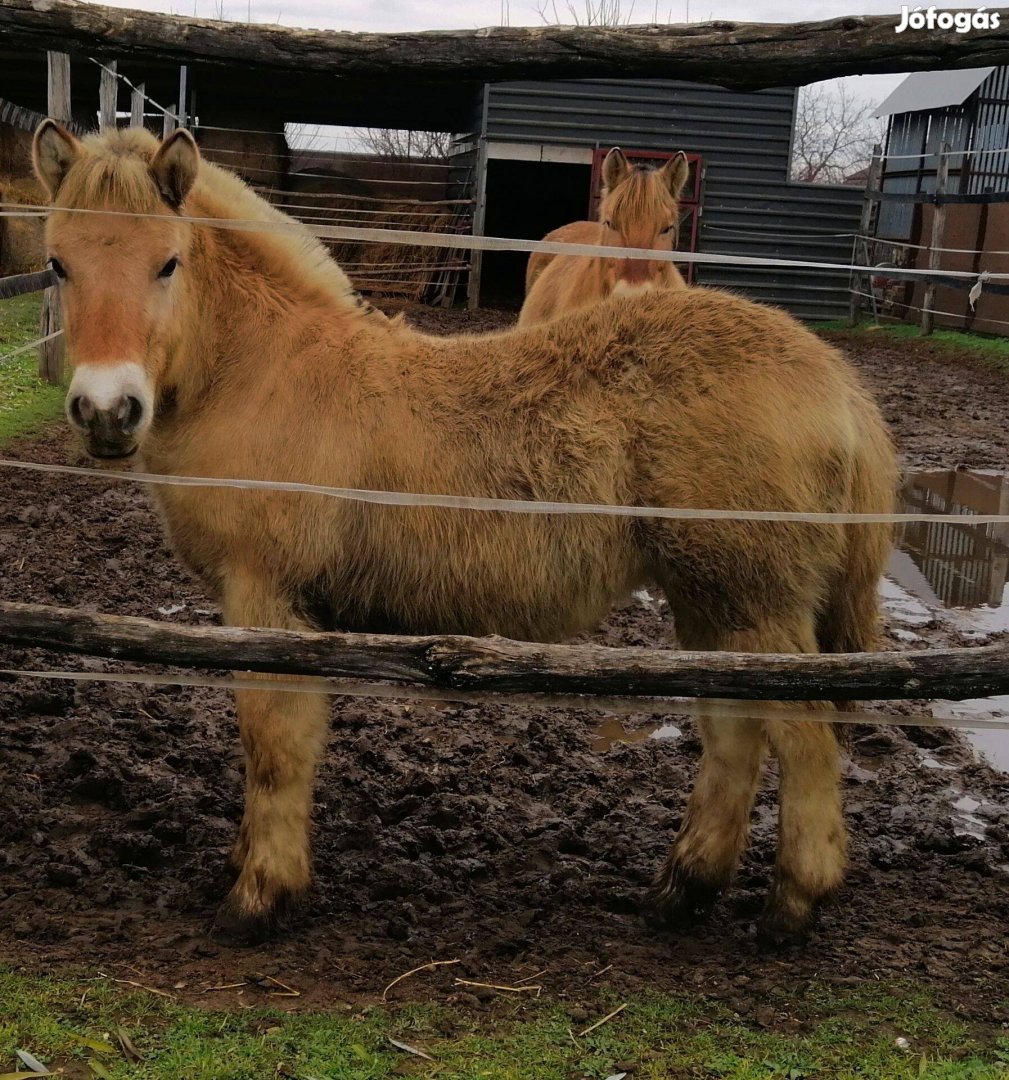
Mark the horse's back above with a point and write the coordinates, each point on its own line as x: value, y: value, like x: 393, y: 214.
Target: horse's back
x: 722, y: 382
x: 733, y: 405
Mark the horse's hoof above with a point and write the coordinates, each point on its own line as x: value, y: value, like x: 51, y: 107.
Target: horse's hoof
x: 680, y: 898
x: 235, y: 928
x: 782, y: 929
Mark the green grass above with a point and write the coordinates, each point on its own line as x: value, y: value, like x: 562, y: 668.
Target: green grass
x: 990, y: 350
x: 660, y: 1037
x: 25, y: 401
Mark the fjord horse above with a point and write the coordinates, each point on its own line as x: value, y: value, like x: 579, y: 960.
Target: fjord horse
x: 244, y: 352
x: 639, y: 208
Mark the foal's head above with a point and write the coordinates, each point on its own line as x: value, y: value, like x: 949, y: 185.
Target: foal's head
x: 640, y: 208
x: 120, y: 277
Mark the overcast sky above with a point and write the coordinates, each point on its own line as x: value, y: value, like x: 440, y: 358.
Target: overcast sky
x: 386, y: 15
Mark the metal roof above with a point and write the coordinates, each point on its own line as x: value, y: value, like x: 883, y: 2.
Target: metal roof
x: 933, y: 90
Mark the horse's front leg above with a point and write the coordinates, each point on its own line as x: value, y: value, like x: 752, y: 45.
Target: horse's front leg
x: 284, y: 735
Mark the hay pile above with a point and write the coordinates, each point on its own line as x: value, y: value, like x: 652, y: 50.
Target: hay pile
x: 22, y: 243
x: 380, y: 269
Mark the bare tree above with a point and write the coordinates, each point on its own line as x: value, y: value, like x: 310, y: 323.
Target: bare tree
x: 834, y: 134
x: 591, y: 13
x: 396, y: 143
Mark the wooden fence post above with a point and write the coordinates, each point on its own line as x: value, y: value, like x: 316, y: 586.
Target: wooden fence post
x: 108, y: 96
x: 59, y: 85
x: 137, y: 106
x: 934, y: 254
x: 480, y: 208
x: 182, y: 110
x: 872, y: 185
x: 169, y: 122
x: 51, y: 353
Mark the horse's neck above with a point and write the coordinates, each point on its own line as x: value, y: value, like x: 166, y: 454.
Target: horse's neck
x: 242, y: 321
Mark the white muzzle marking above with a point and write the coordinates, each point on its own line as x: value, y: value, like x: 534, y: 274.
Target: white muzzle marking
x: 627, y: 288
x: 106, y: 385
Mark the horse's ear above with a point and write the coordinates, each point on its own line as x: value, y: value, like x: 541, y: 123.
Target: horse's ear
x: 676, y: 171
x: 54, y: 150
x: 175, y: 166
x: 615, y: 168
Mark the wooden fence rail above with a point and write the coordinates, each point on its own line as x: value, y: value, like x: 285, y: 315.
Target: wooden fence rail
x: 498, y: 665
x: 736, y: 55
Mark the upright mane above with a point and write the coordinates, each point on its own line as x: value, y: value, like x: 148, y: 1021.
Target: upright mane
x: 114, y: 173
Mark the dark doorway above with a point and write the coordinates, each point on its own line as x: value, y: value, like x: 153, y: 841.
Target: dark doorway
x: 526, y: 199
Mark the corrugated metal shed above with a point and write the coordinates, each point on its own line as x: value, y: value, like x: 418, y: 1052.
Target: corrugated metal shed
x: 924, y: 90
x: 749, y: 205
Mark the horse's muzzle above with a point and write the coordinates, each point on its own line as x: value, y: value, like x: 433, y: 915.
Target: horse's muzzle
x: 108, y: 433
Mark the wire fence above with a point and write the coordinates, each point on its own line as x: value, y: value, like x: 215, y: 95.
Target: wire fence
x: 444, y: 238
x: 639, y: 706
x: 496, y: 243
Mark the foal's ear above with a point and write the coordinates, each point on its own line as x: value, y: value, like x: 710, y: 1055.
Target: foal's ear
x: 54, y: 150
x: 675, y: 173
x: 615, y: 168
x: 175, y: 166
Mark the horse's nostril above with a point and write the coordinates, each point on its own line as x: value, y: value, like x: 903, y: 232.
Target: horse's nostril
x: 82, y: 412
x: 130, y: 413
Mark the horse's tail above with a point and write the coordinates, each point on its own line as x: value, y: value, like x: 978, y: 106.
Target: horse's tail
x: 850, y: 619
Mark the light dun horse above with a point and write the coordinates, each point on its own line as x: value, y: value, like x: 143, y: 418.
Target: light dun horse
x: 639, y: 208
x: 237, y: 353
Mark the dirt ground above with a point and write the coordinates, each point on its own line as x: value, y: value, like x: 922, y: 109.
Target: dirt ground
x: 503, y: 837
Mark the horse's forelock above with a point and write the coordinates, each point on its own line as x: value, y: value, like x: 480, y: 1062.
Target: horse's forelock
x: 113, y: 170
x: 643, y: 196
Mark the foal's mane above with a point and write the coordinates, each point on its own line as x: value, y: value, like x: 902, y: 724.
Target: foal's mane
x: 114, y: 173
x: 641, y: 195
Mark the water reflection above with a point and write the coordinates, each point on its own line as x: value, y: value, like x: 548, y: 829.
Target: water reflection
x: 959, y: 569
x: 949, y: 564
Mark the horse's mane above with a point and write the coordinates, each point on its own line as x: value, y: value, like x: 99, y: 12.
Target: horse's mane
x: 641, y: 195
x: 114, y: 172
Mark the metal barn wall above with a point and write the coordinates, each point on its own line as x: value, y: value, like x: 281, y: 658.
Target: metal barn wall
x: 750, y: 207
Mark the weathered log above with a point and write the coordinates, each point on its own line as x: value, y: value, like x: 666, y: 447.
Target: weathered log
x: 498, y: 665
x: 736, y: 55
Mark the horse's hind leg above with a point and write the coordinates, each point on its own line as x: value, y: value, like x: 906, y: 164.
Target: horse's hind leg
x: 283, y: 734
x: 812, y: 842
x: 811, y: 845
x: 716, y: 824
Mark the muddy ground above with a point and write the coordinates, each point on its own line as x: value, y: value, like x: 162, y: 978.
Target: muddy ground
x: 499, y: 836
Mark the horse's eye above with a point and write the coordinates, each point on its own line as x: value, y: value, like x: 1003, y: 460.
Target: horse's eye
x: 57, y: 268
x: 668, y: 229
x: 169, y: 268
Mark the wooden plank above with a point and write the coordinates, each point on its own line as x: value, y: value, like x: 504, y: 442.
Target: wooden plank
x: 938, y: 226
x: 168, y: 124
x: 108, y: 96
x: 59, y: 85
x: 183, y: 96
x: 872, y: 182
x: 137, y: 102
x: 475, y: 276
x: 737, y: 55
x: 52, y: 353
x: 498, y: 665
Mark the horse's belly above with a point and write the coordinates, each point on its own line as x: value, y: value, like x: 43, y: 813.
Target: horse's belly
x: 544, y: 590
x: 410, y: 570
